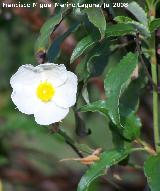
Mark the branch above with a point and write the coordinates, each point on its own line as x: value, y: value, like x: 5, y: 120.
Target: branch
x: 55, y: 129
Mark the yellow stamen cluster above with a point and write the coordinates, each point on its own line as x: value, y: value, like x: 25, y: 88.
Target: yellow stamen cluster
x: 45, y: 91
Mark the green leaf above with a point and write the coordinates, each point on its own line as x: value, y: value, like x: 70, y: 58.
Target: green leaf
x: 96, y: 16
x: 84, y: 148
x: 130, y: 122
x: 83, y: 45
x: 45, y: 32
x: 85, y: 94
x: 154, y: 25
x: 98, y: 106
x: 117, y: 139
x: 107, y: 159
x: 95, y: 61
x: 138, y: 12
x: 139, y: 26
x: 116, y: 82
x: 55, y: 47
x: 123, y: 19
x: 152, y: 172
x: 131, y: 100
x: 98, y: 58
x: 97, y: 64
x: 119, y: 29
x: 81, y: 70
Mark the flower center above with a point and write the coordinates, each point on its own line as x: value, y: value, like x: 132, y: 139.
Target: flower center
x: 45, y: 91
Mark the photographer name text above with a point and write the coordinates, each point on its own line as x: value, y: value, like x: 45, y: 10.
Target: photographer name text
x: 74, y: 5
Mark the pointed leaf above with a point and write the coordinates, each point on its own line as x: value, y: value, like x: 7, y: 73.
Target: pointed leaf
x: 98, y: 58
x: 45, y: 32
x: 95, y: 61
x: 85, y: 94
x: 119, y: 29
x: 116, y: 82
x: 131, y: 124
x: 107, y: 159
x: 81, y: 69
x: 154, y: 25
x: 123, y: 19
x: 131, y: 100
x: 83, y: 45
x: 98, y: 106
x: 54, y: 49
x: 152, y: 172
x: 96, y: 16
x: 139, y: 26
x: 138, y: 12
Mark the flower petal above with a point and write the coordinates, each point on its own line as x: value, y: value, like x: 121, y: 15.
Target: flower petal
x: 65, y: 95
x: 54, y: 73
x: 25, y: 99
x: 25, y: 76
x: 48, y: 113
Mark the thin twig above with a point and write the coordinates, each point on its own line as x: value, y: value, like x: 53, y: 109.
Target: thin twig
x: 146, y: 146
x: 55, y: 129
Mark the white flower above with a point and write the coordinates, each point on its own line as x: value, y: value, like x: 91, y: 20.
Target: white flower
x: 47, y: 91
